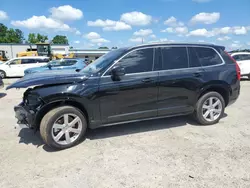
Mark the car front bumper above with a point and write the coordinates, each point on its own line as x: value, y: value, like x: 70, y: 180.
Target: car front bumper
x: 24, y: 116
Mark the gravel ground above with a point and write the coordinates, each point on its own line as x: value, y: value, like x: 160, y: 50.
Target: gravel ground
x: 171, y: 152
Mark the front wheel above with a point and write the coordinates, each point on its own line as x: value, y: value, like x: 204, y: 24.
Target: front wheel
x: 209, y: 108
x: 2, y: 74
x: 63, y: 127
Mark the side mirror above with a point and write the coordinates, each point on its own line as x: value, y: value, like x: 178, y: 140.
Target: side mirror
x: 49, y: 66
x: 117, y: 72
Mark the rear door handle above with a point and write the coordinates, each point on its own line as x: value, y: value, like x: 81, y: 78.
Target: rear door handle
x: 197, y: 74
x: 146, y: 80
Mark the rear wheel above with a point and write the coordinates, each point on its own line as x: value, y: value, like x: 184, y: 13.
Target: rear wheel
x: 2, y: 74
x: 209, y: 108
x: 63, y: 127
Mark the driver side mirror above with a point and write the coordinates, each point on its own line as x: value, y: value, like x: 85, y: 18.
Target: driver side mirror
x: 117, y: 72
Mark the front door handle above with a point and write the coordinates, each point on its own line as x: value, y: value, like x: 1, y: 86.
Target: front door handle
x: 146, y: 80
x: 197, y: 74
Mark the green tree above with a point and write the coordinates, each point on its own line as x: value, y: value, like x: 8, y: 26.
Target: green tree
x: 114, y: 47
x: 60, y: 39
x: 10, y: 35
x: 103, y: 48
x: 3, y: 33
x: 37, y: 38
x: 41, y: 38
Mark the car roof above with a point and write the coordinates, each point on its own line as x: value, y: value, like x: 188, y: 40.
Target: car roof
x: 240, y: 53
x: 177, y: 44
x: 32, y: 57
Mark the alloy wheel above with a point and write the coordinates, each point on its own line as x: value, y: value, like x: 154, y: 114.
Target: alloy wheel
x: 211, y: 109
x: 66, y: 129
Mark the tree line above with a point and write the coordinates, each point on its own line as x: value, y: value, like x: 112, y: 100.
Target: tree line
x: 10, y: 35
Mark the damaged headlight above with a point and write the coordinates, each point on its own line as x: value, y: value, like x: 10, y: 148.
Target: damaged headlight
x: 32, y: 99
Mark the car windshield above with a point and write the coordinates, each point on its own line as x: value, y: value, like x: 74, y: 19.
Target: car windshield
x: 104, y: 61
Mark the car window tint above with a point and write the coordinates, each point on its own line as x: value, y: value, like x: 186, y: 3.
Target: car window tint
x: 28, y: 61
x: 15, y: 62
x: 174, y: 58
x: 236, y: 57
x: 68, y: 62
x: 244, y: 57
x: 207, y: 56
x: 43, y: 60
x: 193, y: 58
x: 138, y: 61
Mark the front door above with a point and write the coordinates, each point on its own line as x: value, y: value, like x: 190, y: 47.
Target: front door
x: 135, y: 95
x: 14, y: 68
x: 179, y: 79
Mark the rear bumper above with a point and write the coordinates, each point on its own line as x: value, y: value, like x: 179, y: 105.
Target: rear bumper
x: 24, y: 115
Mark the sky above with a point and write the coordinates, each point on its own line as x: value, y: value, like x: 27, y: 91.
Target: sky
x: 94, y: 23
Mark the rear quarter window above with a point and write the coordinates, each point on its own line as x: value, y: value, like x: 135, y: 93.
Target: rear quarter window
x: 207, y: 56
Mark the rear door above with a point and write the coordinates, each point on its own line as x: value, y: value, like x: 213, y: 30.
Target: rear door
x: 180, y: 77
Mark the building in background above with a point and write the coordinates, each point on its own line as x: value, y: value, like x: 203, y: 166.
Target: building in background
x: 88, y: 54
x: 12, y: 49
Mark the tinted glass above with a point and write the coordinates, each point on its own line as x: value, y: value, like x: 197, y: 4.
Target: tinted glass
x: 42, y: 60
x: 207, y: 56
x: 28, y: 61
x: 68, y: 62
x: 244, y: 57
x: 15, y: 62
x: 138, y: 61
x: 174, y: 58
x: 193, y: 58
x: 236, y: 57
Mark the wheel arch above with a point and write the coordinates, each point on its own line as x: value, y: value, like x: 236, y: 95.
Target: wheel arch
x: 57, y: 103
x: 222, y: 88
x: 4, y: 72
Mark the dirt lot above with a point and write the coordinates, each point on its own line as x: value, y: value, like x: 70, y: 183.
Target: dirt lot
x: 165, y: 153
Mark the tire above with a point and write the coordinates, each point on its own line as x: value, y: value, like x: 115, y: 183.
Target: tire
x: 49, y: 132
x: 2, y: 74
x: 200, y: 111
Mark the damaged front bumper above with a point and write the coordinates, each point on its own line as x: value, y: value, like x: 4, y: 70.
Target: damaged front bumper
x: 24, y: 115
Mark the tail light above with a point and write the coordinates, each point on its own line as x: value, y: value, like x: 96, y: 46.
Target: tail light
x: 237, y: 66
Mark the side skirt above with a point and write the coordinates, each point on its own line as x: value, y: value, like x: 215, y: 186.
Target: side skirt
x: 138, y: 120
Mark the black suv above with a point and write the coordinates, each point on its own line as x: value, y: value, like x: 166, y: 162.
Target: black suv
x: 128, y: 85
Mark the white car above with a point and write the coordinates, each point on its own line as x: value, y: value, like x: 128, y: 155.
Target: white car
x: 15, y: 67
x: 243, y: 60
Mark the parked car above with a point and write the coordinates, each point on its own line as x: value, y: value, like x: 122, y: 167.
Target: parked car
x: 75, y: 64
x: 15, y: 67
x: 129, y: 85
x: 243, y: 60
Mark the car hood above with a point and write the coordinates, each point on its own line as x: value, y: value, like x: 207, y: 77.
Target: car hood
x: 37, y: 69
x: 49, y: 78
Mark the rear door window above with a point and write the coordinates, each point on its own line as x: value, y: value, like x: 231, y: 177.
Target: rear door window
x: 207, y: 56
x: 193, y: 58
x: 43, y: 60
x: 174, y: 58
x: 28, y: 61
x: 244, y: 57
